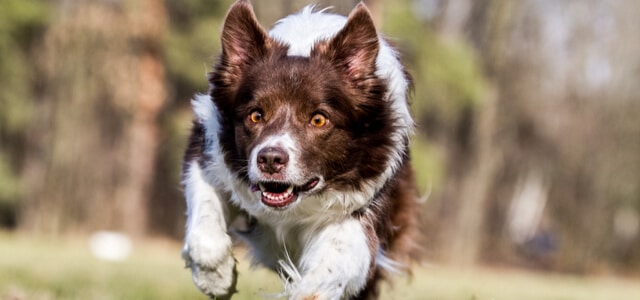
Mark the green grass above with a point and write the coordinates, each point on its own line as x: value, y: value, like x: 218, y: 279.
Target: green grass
x: 46, y: 268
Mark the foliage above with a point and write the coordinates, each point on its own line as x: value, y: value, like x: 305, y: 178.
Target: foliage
x: 428, y: 162
x: 21, y: 23
x: 447, y: 75
x: 448, y: 84
x: 9, y: 183
x: 192, y: 43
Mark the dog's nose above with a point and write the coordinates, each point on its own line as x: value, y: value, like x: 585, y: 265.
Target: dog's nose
x: 272, y: 160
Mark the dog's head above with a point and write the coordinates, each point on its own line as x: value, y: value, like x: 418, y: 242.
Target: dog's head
x: 294, y: 126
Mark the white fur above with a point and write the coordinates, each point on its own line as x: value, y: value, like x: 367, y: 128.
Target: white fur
x: 302, y: 30
x: 335, y: 263
x: 293, y: 174
x: 324, y: 249
x: 207, y: 247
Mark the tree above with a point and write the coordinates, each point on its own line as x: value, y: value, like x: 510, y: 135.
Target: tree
x: 21, y: 24
x: 93, y: 138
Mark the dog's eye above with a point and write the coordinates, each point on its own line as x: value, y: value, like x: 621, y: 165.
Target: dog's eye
x: 255, y: 116
x: 318, y: 120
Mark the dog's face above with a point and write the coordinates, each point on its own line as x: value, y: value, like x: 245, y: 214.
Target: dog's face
x: 294, y: 126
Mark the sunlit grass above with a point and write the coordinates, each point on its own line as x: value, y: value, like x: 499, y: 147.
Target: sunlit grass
x: 447, y: 283
x: 46, y: 268
x: 64, y: 269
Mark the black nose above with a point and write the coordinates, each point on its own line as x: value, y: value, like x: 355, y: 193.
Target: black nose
x: 272, y: 160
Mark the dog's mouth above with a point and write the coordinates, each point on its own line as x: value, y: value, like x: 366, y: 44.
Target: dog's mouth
x: 280, y: 194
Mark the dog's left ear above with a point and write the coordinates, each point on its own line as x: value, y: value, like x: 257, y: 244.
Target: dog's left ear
x: 243, y: 39
x: 355, y: 47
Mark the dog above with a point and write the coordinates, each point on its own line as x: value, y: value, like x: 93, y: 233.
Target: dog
x: 304, y: 138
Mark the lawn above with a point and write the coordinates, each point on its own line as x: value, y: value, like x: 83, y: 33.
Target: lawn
x: 63, y: 268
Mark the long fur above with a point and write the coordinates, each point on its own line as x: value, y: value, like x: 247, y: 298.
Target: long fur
x: 352, y: 216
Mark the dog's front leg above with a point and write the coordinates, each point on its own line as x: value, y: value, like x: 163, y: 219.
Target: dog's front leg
x: 335, y: 263
x: 207, y: 247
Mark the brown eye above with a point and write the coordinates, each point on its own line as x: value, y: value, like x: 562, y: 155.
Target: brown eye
x: 318, y: 120
x: 255, y: 117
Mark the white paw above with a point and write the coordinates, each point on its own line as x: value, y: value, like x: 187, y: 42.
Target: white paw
x: 212, y: 265
x: 316, y: 291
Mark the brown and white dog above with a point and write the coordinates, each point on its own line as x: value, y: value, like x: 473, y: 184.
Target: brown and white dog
x: 304, y: 136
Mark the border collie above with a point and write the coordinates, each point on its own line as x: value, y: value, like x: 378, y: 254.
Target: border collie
x: 303, y: 137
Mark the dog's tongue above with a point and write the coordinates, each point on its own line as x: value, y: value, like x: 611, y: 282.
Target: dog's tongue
x: 276, y: 195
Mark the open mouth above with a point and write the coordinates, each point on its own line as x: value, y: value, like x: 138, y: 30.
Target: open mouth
x: 280, y: 194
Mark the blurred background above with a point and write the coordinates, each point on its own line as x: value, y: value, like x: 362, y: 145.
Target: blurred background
x: 527, y: 149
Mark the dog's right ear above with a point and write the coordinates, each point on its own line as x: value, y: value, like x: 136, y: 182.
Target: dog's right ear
x: 354, y: 49
x: 243, y: 39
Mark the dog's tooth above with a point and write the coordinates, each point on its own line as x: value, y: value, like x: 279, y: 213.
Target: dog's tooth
x: 261, y: 186
x: 290, y: 189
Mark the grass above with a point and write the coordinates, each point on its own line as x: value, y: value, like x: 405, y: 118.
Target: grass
x: 63, y: 268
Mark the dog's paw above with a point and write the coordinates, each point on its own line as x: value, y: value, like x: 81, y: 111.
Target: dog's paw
x: 309, y: 292
x: 212, y: 266
x: 313, y: 296
x: 218, y: 283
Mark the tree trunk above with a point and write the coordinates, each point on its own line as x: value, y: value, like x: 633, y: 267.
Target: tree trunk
x: 94, y: 137
x: 466, y: 234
